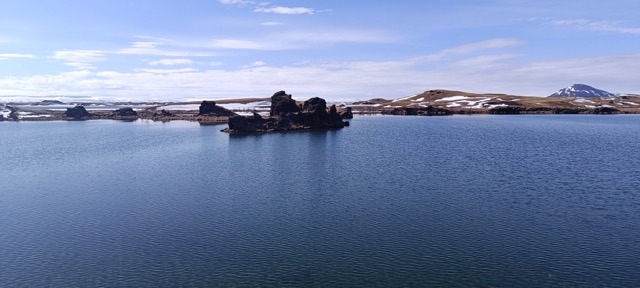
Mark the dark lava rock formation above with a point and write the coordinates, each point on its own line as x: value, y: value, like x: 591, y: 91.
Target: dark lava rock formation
x: 287, y: 115
x: 77, y: 112
x: 347, y: 113
x: 13, y: 113
x: 209, y: 108
x: 552, y: 110
x: 423, y: 111
x: 125, y: 112
x: 162, y: 113
x: 281, y: 102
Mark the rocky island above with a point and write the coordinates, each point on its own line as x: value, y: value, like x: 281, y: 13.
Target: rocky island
x: 285, y: 115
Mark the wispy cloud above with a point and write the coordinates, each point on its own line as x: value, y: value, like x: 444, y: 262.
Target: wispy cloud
x: 346, y: 80
x: 80, y: 59
x: 239, y: 3
x: 83, y: 59
x: 15, y: 55
x: 255, y: 64
x: 171, y: 62
x: 469, y: 48
x: 265, y: 7
x: 484, y: 62
x: 285, y: 10
x: 244, y: 44
x: 152, y: 48
x: 303, y: 39
x: 80, y: 56
x: 271, y: 23
x: 80, y: 66
x: 603, y: 26
x: 167, y: 71
x: 474, y: 67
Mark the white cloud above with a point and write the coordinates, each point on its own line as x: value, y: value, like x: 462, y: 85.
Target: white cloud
x: 151, y: 48
x: 263, y: 7
x: 167, y: 71
x: 171, y: 62
x: 216, y: 63
x: 303, y: 39
x: 239, y: 3
x: 245, y: 44
x: 255, y: 64
x: 484, y: 62
x: 80, y: 56
x: 604, y: 26
x: 14, y: 55
x: 285, y: 10
x: 271, y: 23
x: 469, y: 48
x: 330, y: 36
x: 467, y: 67
x: 80, y: 66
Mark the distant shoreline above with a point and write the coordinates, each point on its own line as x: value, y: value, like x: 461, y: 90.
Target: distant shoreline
x: 429, y: 103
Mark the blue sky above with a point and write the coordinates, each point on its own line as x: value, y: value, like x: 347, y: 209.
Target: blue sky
x: 339, y: 50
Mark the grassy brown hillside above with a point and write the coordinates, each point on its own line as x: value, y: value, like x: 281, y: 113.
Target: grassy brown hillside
x: 459, y: 102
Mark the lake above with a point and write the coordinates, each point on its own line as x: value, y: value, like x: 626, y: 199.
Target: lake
x: 392, y: 201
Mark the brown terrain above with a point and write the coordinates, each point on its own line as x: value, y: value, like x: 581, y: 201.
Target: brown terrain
x: 447, y: 102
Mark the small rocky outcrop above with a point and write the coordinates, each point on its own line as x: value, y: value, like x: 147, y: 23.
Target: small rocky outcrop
x: 281, y: 102
x: 347, y: 113
x: 508, y: 110
x: 242, y: 124
x: 77, y: 112
x: 13, y: 113
x: 162, y: 113
x: 422, y: 111
x: 312, y: 115
x: 125, y: 112
x: 551, y: 110
x: 209, y: 108
x: 606, y: 110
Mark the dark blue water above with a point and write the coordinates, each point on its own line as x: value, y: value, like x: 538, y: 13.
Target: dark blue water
x: 483, y: 201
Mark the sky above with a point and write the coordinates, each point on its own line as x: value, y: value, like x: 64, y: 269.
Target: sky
x: 339, y: 50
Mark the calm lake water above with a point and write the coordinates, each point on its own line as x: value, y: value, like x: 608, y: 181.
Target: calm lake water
x: 463, y: 201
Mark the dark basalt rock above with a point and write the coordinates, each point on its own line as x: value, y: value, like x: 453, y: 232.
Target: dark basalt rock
x: 286, y: 115
x: 253, y: 123
x: 13, y: 113
x: 315, y: 105
x: 162, y: 113
x: 510, y: 110
x: 125, y: 112
x: 423, y: 111
x: 77, y: 112
x: 347, y: 113
x: 281, y: 102
x: 209, y: 108
x: 605, y: 110
x: 551, y: 110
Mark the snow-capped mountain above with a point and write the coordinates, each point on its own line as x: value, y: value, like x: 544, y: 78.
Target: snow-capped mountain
x: 582, y: 91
